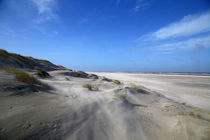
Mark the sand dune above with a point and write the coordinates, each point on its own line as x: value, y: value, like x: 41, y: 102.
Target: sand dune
x: 192, y: 89
x: 42, y: 101
x: 107, y: 111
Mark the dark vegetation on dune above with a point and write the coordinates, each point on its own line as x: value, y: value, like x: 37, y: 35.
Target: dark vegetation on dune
x: 25, y: 62
x: 41, y: 67
x: 111, y: 80
x: 24, y: 77
x: 41, y: 73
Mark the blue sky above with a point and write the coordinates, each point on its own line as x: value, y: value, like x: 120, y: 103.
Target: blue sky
x: 110, y: 35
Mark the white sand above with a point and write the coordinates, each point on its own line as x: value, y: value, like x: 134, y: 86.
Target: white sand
x: 108, y: 112
x: 192, y: 89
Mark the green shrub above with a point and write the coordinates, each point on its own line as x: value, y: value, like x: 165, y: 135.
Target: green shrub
x: 42, y: 73
x: 88, y: 86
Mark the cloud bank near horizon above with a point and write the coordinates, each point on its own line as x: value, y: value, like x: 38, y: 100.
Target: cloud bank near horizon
x: 190, y: 32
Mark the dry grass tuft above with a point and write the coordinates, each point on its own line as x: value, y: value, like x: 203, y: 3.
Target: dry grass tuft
x: 116, y: 81
x: 111, y: 80
x: 183, y: 103
x: 23, y: 76
x: 42, y: 73
x: 107, y: 79
x: 94, y: 75
x: 88, y: 86
x: 198, y: 116
x: 135, y: 86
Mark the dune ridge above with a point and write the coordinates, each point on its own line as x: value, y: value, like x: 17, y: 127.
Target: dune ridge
x: 86, y: 106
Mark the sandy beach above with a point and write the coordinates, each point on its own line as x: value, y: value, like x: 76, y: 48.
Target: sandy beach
x: 137, y: 108
x: 192, y: 89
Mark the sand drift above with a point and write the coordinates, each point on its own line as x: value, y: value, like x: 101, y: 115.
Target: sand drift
x: 136, y: 108
x: 192, y: 89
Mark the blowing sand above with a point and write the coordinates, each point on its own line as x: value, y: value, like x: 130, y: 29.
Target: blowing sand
x: 192, y: 89
x: 141, y: 107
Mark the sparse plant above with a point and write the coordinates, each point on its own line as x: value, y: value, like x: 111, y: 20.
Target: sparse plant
x: 199, y: 116
x: 191, y: 114
x: 82, y: 74
x: 42, y: 73
x: 94, y: 75
x: 88, y: 86
x: 183, y: 103
x: 67, y: 78
x: 135, y: 86
x: 116, y: 81
x: 107, y: 79
x: 111, y: 80
x: 23, y: 76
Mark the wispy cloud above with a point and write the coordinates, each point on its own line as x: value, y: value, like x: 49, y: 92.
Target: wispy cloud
x: 45, y: 10
x: 141, y: 4
x: 188, y: 26
x: 190, y: 33
x: 193, y: 44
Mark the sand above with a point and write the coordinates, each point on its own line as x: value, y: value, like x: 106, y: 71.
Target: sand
x: 192, y: 89
x: 108, y: 111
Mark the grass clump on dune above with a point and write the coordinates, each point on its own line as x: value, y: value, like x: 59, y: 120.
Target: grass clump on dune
x: 107, y: 79
x: 116, y: 81
x: 111, y: 80
x: 198, y: 116
x: 88, y: 86
x: 94, y: 76
x: 24, y: 77
x: 135, y: 86
x: 42, y: 73
x: 183, y: 103
x: 82, y: 74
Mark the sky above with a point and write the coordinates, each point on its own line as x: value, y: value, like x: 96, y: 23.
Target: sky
x: 110, y: 35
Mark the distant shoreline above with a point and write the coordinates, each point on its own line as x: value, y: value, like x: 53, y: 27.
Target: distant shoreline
x: 167, y: 73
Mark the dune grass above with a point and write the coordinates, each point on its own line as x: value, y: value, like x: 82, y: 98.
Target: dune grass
x: 116, y: 81
x: 88, y: 86
x: 94, y: 75
x: 82, y: 74
x: 42, y: 73
x: 111, y: 80
x: 183, y: 103
x: 135, y: 86
x: 24, y: 77
x: 198, y: 116
x: 107, y: 79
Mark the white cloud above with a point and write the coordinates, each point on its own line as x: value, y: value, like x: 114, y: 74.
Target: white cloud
x: 45, y: 10
x: 193, y: 30
x: 188, y: 26
x: 141, y: 4
x: 190, y: 44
